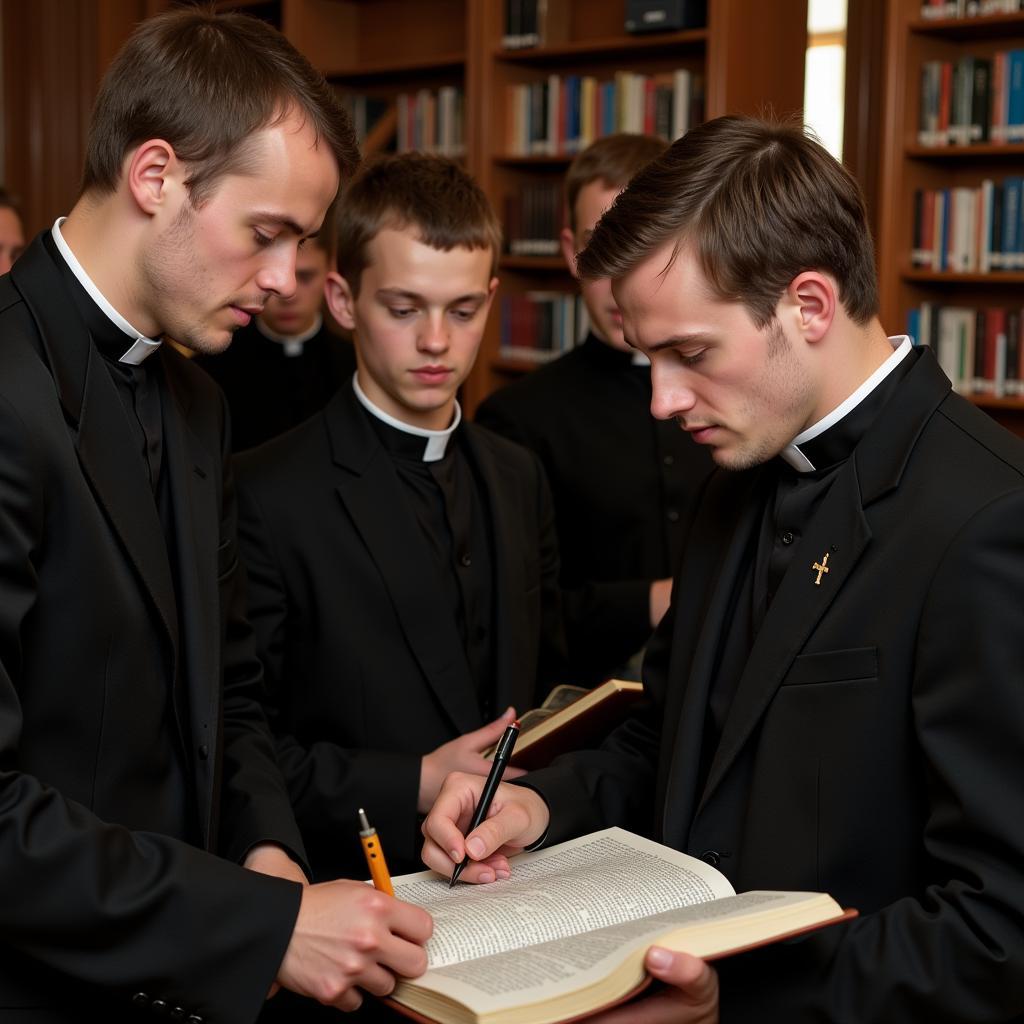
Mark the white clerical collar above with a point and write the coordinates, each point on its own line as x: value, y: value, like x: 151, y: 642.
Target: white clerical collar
x: 292, y: 342
x: 792, y: 453
x: 141, y: 347
x: 437, y: 440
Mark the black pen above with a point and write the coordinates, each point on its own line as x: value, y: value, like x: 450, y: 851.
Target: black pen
x: 498, y: 765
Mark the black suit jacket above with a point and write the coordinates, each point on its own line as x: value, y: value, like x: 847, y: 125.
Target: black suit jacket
x: 622, y: 483
x: 102, y: 900
x: 364, y: 662
x: 873, y: 748
x: 269, y: 392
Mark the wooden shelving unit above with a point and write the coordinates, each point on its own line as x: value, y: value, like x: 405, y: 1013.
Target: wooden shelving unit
x: 907, y: 166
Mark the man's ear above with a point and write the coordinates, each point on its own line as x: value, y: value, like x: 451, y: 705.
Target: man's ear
x: 567, y: 240
x: 813, y: 297
x: 340, y: 300
x: 153, y: 174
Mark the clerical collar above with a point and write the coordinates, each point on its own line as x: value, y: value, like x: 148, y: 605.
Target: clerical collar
x: 828, y: 441
x: 292, y: 342
x: 435, y: 441
x: 141, y: 347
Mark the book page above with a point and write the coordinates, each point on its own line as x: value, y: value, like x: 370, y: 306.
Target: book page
x: 581, y: 886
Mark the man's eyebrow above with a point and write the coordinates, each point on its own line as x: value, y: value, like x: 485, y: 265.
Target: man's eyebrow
x: 285, y: 222
x: 401, y: 293
x: 695, y: 338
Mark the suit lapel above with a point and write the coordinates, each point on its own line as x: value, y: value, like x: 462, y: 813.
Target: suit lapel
x: 102, y: 438
x: 705, y: 613
x: 372, y: 494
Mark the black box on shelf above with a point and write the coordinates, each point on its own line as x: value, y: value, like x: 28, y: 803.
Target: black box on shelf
x: 665, y: 15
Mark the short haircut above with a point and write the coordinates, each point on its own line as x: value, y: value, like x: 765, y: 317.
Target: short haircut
x: 430, y: 194
x: 205, y: 83
x: 759, y: 201
x: 612, y: 160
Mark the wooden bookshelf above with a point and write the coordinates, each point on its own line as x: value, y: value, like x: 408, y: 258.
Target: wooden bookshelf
x: 907, y: 166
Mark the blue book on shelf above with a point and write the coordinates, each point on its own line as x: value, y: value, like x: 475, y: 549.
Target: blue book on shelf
x: 608, y: 127
x: 914, y: 325
x: 571, y: 84
x: 1013, y: 250
x: 1015, y: 107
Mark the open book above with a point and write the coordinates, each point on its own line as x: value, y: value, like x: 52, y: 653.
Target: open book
x: 572, y: 718
x: 566, y: 935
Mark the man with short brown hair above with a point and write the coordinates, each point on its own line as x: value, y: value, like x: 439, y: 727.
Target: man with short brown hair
x: 621, y: 481
x: 836, y: 698
x: 402, y: 563
x: 139, y: 782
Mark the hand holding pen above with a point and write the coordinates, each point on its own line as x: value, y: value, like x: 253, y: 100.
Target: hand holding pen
x: 501, y: 758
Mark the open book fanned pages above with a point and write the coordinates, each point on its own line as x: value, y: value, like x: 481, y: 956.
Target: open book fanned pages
x: 565, y: 937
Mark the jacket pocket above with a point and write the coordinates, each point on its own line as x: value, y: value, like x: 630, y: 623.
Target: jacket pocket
x: 833, y: 667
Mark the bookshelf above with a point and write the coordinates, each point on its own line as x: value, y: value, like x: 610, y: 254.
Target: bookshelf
x: 909, y: 166
x: 750, y: 56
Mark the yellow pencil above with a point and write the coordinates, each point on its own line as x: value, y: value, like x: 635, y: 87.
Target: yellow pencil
x: 374, y: 856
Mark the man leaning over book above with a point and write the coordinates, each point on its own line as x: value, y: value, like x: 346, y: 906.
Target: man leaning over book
x: 836, y: 697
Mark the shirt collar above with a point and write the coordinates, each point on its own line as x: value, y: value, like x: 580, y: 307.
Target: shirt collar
x: 292, y: 342
x: 796, y: 455
x: 141, y: 347
x: 436, y: 440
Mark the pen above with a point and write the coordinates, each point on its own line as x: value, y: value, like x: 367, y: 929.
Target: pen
x: 498, y: 765
x: 374, y: 856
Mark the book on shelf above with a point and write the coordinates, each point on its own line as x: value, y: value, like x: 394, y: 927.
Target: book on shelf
x: 566, y: 935
x: 538, y: 326
x: 531, y: 23
x: 981, y: 350
x: 534, y: 218
x: 432, y: 121
x: 565, y: 113
x: 970, y: 230
x: 572, y: 718
x: 972, y: 100
x: 935, y: 9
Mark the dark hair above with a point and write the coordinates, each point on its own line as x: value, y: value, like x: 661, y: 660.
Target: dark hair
x: 612, y: 160
x: 431, y: 194
x: 205, y: 83
x: 760, y: 201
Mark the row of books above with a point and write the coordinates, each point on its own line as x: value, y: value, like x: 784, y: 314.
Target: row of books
x: 535, y: 23
x: 972, y: 100
x: 540, y: 326
x: 969, y: 8
x: 970, y: 230
x: 432, y: 122
x: 428, y: 121
x: 534, y: 217
x: 565, y: 114
x: 980, y: 350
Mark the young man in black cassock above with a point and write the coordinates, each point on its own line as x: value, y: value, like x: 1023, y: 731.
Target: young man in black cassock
x: 402, y: 562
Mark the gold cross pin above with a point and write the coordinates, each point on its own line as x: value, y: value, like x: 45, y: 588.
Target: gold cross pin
x: 821, y: 567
